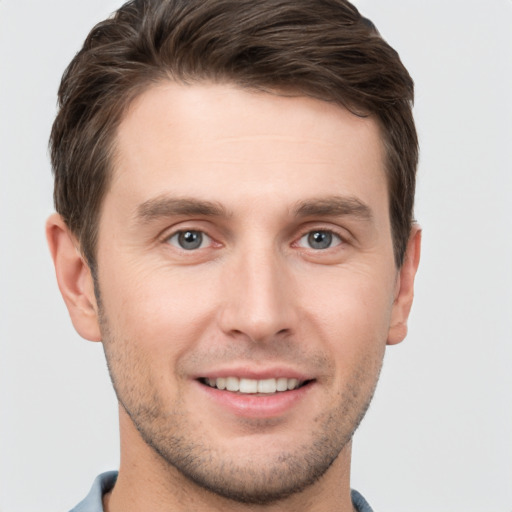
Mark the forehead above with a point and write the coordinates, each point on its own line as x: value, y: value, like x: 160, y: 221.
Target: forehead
x: 219, y: 139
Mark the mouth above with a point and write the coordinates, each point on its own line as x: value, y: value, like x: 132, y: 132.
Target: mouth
x: 242, y: 385
x: 271, y: 396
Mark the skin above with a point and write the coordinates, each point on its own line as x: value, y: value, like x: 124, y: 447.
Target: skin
x: 255, y: 174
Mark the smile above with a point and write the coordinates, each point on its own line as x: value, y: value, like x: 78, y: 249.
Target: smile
x: 251, y: 386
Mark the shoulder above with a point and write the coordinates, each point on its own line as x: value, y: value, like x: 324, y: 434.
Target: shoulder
x: 360, y: 504
x: 93, y: 501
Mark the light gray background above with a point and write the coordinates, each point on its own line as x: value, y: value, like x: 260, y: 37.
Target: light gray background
x: 438, y: 436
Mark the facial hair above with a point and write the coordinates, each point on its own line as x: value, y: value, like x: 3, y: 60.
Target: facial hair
x: 167, y: 430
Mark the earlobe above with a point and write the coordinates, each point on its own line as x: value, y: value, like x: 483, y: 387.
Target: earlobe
x: 74, y: 278
x: 405, y: 289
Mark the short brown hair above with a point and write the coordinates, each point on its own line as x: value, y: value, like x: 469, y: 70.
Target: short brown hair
x: 319, y: 48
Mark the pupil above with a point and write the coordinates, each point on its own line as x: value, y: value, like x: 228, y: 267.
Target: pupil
x: 320, y: 239
x: 190, y: 239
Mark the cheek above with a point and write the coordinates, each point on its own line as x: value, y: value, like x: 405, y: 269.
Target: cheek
x: 360, y: 299
x: 352, y: 314
x: 161, y: 310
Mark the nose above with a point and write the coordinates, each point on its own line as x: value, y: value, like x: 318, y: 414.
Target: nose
x: 259, y: 299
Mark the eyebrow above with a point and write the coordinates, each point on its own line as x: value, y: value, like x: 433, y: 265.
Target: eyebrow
x: 334, y: 206
x: 327, y: 206
x: 170, y: 206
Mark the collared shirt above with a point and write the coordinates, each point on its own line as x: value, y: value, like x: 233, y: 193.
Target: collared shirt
x: 106, y: 481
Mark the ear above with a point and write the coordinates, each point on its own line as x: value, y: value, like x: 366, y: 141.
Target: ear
x: 74, y: 278
x: 405, y: 288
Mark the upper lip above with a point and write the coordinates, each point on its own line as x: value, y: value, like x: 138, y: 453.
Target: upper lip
x: 260, y: 373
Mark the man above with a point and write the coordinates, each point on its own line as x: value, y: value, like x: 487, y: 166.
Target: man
x: 234, y: 182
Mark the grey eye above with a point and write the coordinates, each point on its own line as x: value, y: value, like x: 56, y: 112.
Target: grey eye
x: 319, y: 240
x: 189, y: 239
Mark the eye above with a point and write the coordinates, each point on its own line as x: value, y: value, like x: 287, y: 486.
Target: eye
x: 319, y: 240
x: 189, y: 240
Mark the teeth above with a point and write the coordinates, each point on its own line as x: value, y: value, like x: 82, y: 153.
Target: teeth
x: 292, y: 383
x: 267, y: 386
x: 282, y: 384
x: 232, y: 384
x: 248, y: 386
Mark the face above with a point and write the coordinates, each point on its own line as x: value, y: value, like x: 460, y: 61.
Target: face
x: 247, y: 283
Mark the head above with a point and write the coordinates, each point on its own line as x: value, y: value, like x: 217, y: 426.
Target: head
x: 235, y: 184
x: 323, y: 49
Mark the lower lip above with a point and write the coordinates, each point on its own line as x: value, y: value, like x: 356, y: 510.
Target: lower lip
x: 257, y: 406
